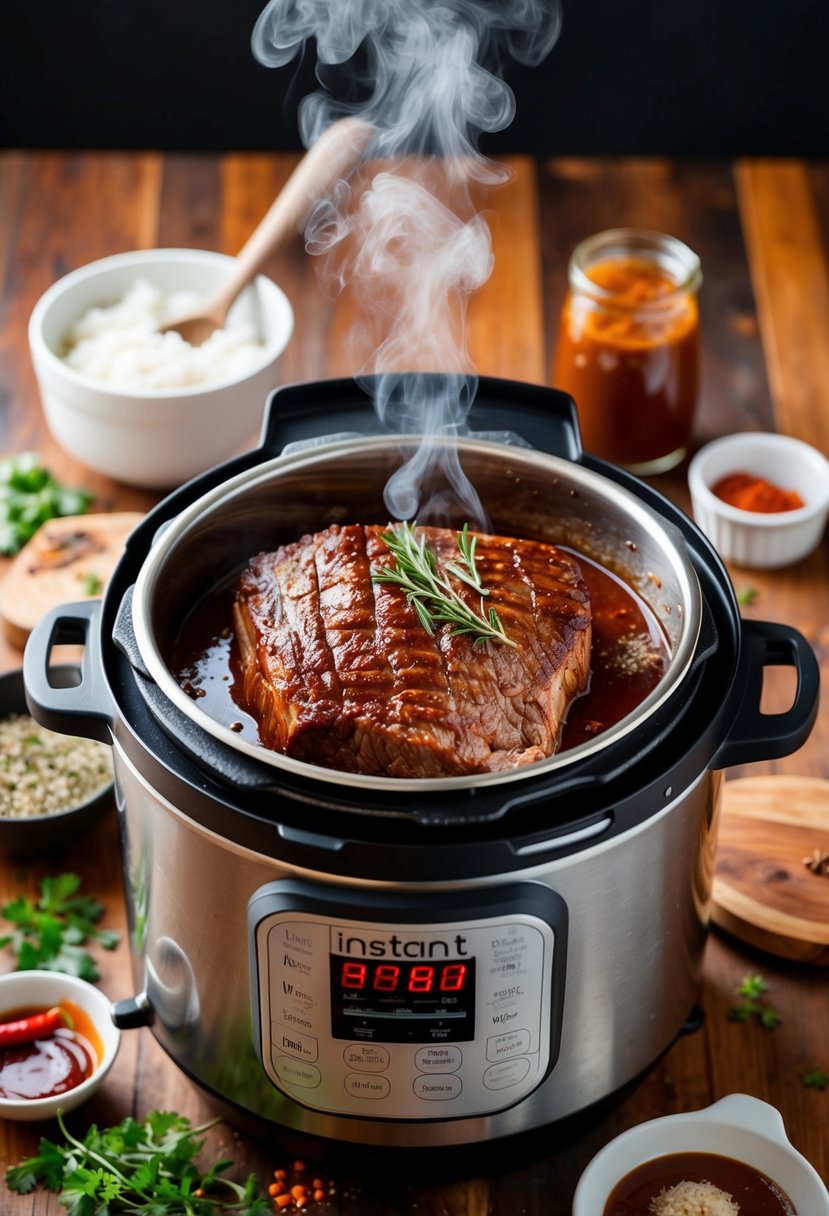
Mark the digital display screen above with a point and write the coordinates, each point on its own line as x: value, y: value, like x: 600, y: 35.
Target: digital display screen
x: 401, y: 1001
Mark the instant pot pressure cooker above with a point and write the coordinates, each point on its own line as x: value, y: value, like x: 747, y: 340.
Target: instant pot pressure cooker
x: 417, y: 962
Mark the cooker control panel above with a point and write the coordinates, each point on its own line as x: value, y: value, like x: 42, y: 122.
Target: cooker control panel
x: 393, y: 1007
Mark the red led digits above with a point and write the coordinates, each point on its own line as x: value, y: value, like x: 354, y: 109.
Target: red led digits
x: 386, y: 978
x: 354, y: 975
x: 453, y: 977
x: 421, y: 979
x: 413, y: 978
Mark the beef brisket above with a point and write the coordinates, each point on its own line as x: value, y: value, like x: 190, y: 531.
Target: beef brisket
x: 339, y: 671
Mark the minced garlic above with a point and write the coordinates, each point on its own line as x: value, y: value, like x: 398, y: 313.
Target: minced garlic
x: 694, y: 1199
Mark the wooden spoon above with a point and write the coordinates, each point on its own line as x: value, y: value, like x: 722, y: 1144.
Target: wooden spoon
x: 333, y: 155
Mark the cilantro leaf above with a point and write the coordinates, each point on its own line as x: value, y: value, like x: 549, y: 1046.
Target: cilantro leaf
x: 754, y: 1004
x: 46, y: 1169
x: 148, y: 1168
x: 816, y: 1079
x: 51, y: 934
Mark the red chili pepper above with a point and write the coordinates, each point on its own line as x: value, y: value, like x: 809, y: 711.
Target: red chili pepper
x: 37, y: 1026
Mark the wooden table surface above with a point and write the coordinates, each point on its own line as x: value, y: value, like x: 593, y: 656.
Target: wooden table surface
x: 762, y: 231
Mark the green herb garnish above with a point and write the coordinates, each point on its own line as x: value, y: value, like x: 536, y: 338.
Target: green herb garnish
x: 147, y: 1167
x: 93, y: 584
x: 746, y: 595
x: 29, y: 497
x: 816, y: 1078
x: 753, y: 1005
x: 430, y: 592
x: 50, y: 935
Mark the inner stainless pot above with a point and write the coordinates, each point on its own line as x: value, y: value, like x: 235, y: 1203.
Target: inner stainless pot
x: 525, y: 493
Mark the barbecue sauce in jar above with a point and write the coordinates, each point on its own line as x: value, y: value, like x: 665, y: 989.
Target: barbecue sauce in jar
x: 747, y: 1191
x: 628, y: 347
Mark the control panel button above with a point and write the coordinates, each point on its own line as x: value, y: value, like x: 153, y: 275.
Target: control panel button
x: 438, y: 1059
x: 510, y: 1072
x: 439, y: 1088
x: 366, y: 1057
x: 502, y: 1046
x: 303, y: 1046
x: 362, y: 1085
x: 293, y: 1072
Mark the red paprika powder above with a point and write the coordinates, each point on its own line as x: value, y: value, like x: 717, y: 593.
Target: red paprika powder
x: 751, y: 493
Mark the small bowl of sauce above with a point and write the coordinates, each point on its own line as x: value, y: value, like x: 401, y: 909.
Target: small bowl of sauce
x: 731, y: 1159
x: 57, y: 1043
x: 762, y: 499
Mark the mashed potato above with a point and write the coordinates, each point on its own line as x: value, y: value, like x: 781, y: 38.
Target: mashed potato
x: 120, y: 344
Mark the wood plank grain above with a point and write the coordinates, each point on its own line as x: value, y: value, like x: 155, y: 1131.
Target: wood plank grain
x: 66, y: 210
x: 771, y: 1064
x: 787, y: 254
x: 505, y: 323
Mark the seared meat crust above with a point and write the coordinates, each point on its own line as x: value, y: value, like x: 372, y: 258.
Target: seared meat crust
x: 339, y: 671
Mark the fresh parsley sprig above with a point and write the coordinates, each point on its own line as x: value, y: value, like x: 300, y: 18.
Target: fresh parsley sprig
x: 51, y: 934
x: 144, y: 1168
x: 754, y: 1005
x: 29, y: 496
x: 430, y: 592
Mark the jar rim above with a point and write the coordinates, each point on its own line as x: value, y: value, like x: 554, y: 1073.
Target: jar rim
x: 672, y: 255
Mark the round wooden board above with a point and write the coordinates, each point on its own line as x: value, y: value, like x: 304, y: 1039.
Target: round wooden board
x: 764, y: 893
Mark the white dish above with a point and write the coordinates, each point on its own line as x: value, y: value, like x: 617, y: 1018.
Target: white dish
x: 43, y: 989
x: 752, y: 538
x: 162, y: 437
x: 737, y: 1126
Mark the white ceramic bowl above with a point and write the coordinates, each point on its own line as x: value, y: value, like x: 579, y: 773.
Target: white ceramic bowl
x: 751, y: 538
x: 153, y: 438
x: 21, y: 989
x: 738, y: 1126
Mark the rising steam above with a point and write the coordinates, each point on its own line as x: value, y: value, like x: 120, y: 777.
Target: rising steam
x: 423, y: 73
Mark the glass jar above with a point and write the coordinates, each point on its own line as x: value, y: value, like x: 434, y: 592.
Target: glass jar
x: 628, y: 346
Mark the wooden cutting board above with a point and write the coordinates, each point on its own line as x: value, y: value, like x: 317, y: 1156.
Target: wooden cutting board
x: 67, y: 560
x: 764, y: 894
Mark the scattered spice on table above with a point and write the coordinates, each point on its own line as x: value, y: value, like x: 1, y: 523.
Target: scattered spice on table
x: 751, y: 493
x: 818, y: 863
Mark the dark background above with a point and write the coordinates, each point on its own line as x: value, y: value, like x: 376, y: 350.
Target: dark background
x: 685, y: 77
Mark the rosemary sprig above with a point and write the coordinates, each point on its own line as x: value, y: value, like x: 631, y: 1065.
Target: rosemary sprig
x: 430, y: 593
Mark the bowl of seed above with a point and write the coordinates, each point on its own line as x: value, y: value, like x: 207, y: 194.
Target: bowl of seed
x: 53, y: 787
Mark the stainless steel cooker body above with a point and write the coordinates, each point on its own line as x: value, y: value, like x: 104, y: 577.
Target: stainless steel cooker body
x: 417, y: 963
x: 626, y: 968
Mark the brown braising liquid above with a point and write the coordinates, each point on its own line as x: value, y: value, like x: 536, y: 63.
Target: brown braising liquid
x: 753, y: 1192
x: 629, y: 657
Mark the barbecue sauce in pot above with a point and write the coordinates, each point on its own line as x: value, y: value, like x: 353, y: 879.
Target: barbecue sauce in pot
x: 629, y: 657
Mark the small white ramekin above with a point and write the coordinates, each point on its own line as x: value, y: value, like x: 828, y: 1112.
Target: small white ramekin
x: 154, y: 438
x: 755, y: 539
x: 737, y: 1126
x: 44, y: 989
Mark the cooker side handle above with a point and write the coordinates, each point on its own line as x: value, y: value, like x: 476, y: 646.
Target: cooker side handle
x: 85, y: 708
x: 758, y: 736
